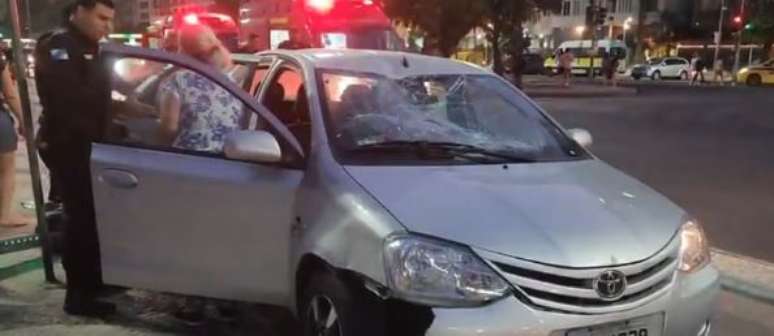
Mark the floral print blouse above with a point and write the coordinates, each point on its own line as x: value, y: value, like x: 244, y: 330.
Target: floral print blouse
x: 208, y: 113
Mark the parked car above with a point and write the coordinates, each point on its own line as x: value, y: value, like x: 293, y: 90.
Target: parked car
x: 662, y: 68
x: 757, y: 75
x: 377, y: 193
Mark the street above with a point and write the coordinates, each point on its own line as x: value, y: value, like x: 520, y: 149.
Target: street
x: 707, y: 149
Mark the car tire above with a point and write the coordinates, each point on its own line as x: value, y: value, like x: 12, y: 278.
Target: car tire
x: 331, y: 306
x: 754, y: 80
x: 656, y: 75
x: 636, y: 77
x: 684, y: 75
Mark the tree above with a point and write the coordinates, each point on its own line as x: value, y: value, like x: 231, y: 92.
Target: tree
x: 761, y: 24
x: 443, y: 22
x: 639, y: 53
x: 504, y: 23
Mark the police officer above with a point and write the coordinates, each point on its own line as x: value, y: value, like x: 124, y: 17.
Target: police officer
x: 74, y: 93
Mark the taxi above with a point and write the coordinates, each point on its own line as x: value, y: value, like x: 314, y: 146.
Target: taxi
x: 757, y: 75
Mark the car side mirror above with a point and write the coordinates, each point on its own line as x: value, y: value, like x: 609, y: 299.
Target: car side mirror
x: 581, y: 136
x: 254, y: 146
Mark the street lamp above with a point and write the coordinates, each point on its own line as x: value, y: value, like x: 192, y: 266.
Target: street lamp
x: 580, y: 30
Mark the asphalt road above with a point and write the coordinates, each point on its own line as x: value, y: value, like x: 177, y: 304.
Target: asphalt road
x: 710, y: 150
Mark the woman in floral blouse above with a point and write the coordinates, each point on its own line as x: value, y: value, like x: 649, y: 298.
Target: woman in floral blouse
x: 196, y: 113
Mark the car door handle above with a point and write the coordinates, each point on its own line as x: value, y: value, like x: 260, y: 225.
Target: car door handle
x: 119, y: 178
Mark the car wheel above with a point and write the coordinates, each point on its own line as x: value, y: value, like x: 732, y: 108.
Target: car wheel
x: 684, y: 75
x: 331, y: 307
x: 656, y: 75
x: 636, y: 77
x: 754, y: 80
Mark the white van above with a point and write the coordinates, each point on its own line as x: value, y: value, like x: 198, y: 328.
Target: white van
x: 582, y: 49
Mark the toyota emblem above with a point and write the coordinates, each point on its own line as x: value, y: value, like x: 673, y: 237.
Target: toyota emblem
x: 610, y: 285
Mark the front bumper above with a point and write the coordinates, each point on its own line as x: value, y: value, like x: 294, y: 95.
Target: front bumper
x: 640, y: 72
x: 687, y: 307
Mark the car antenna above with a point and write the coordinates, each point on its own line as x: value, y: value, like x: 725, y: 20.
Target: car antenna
x: 405, y: 62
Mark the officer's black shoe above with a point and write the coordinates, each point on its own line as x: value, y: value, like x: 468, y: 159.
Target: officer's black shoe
x: 90, y: 308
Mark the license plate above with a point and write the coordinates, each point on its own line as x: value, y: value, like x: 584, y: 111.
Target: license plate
x: 645, y: 326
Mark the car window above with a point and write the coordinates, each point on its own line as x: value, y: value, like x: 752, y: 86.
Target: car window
x: 165, y: 107
x: 673, y: 61
x: 286, y: 98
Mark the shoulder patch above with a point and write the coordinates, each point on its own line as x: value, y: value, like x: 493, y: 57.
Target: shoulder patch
x: 60, y: 54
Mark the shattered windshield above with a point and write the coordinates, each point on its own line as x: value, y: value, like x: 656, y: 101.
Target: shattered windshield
x: 476, y: 111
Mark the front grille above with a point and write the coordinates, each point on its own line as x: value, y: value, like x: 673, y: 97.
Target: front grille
x: 572, y: 290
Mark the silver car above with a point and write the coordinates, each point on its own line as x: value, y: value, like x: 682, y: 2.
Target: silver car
x: 381, y: 193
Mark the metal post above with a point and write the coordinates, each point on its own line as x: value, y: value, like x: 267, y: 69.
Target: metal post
x: 27, y: 19
x: 593, y: 30
x: 737, y: 50
x: 750, y: 58
x: 29, y: 133
x: 719, y: 36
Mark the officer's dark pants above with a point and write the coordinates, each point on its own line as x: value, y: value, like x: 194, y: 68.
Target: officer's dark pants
x: 81, y: 245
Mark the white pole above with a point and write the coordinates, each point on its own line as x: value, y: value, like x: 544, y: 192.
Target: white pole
x: 719, y: 35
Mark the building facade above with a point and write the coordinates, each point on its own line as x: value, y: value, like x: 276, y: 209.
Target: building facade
x: 570, y: 22
x: 132, y: 15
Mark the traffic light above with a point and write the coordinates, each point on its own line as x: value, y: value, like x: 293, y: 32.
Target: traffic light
x: 601, y: 17
x: 738, y: 22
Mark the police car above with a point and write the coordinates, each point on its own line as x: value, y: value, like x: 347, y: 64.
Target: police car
x: 757, y: 75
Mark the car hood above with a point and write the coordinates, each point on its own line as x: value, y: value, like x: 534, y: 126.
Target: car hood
x: 571, y: 214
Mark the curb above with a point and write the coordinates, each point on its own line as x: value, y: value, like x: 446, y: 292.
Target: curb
x: 746, y: 276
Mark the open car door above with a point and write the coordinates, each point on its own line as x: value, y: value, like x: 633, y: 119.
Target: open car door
x: 187, y: 219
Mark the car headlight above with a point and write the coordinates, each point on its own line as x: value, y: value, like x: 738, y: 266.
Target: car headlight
x: 744, y: 71
x: 694, y: 247
x: 436, y: 273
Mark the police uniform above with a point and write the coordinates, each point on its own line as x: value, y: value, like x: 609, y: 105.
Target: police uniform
x: 74, y: 93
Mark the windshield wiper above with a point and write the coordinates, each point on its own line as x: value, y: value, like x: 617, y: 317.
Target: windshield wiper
x: 464, y: 151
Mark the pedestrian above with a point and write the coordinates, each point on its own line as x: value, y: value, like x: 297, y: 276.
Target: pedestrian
x: 610, y: 67
x: 73, y: 90
x: 697, y: 66
x: 717, y: 70
x: 565, y: 63
x: 11, y: 130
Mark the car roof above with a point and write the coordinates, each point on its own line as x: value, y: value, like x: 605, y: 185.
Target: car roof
x: 386, y: 63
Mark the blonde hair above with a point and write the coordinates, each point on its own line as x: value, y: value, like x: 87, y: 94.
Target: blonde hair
x: 193, y: 38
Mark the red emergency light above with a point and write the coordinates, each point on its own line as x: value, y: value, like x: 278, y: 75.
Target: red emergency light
x: 322, y: 6
x: 191, y: 19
